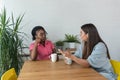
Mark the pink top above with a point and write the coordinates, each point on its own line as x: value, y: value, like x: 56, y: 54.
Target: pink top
x: 43, y: 52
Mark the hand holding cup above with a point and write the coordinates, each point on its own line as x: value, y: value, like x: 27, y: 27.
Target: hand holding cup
x: 65, y: 53
x: 67, y: 56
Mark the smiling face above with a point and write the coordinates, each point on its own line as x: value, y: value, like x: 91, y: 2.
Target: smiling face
x: 83, y: 35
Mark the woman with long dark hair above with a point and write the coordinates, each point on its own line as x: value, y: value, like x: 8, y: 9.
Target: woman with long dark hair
x: 93, y: 53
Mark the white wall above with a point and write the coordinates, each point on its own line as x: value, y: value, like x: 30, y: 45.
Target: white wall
x: 66, y: 16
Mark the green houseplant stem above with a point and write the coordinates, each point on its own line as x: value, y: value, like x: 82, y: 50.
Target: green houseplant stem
x: 11, y: 42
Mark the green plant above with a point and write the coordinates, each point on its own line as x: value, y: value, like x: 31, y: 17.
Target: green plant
x: 11, y: 42
x: 59, y: 43
x: 71, y: 38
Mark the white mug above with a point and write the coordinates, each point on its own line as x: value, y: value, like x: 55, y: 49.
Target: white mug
x: 68, y: 60
x: 53, y: 57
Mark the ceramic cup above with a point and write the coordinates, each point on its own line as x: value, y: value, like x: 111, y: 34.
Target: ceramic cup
x: 54, y: 57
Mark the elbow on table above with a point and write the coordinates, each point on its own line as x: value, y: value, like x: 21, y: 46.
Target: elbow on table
x: 33, y: 58
x: 86, y: 66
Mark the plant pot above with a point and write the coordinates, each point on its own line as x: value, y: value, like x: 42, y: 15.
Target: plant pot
x: 69, y: 45
x: 72, y: 45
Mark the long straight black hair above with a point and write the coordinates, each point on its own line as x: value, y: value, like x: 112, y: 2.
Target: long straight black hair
x: 93, y: 39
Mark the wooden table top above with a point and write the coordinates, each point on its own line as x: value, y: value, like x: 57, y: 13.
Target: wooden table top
x: 47, y: 70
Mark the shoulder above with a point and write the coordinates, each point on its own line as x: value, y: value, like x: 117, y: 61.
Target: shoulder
x: 100, y: 47
x: 48, y: 42
x: 32, y: 43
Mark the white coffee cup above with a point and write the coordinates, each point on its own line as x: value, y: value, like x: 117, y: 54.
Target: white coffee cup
x: 53, y: 57
x: 68, y: 60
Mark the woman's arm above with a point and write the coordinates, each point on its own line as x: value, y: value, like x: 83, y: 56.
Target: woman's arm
x: 33, y: 52
x: 80, y: 61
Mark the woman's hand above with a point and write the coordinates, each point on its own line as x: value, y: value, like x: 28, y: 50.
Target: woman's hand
x: 61, y: 51
x: 68, y: 54
x: 65, y: 53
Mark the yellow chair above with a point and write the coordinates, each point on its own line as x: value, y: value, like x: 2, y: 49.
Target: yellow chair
x: 116, y: 67
x: 9, y: 75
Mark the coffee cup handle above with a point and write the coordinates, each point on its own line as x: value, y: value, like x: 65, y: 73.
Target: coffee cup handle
x: 50, y: 56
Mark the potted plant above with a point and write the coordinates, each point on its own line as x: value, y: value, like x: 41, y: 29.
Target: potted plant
x: 59, y: 44
x: 11, y: 42
x: 70, y: 40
